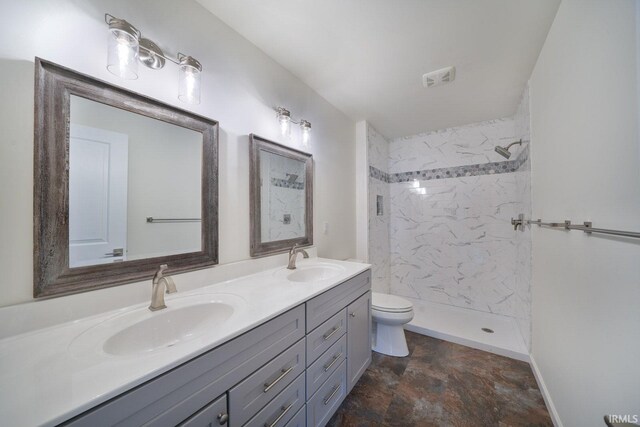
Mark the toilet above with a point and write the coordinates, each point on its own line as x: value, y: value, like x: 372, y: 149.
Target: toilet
x: 390, y: 313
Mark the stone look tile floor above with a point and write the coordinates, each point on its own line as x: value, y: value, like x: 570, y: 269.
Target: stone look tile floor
x: 443, y: 384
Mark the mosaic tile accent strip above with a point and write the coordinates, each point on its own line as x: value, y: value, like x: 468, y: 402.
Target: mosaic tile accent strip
x: 379, y: 175
x: 286, y: 184
x: 452, y: 172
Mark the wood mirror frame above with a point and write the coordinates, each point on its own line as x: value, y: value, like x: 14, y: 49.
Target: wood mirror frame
x: 259, y: 248
x: 54, y: 85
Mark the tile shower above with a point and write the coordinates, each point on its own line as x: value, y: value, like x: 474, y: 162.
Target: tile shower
x: 284, y: 201
x: 444, y: 234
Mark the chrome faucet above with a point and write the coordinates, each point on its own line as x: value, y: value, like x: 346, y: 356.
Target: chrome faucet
x: 293, y: 252
x: 159, y: 284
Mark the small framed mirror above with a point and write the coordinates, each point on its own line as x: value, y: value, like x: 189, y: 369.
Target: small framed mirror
x: 281, y: 197
x: 123, y: 183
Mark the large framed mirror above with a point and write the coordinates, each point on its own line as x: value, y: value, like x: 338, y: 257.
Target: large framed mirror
x: 122, y: 184
x: 281, y: 197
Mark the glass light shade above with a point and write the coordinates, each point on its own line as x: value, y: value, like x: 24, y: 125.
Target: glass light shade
x: 122, y: 54
x: 305, y: 128
x: 285, y: 125
x: 189, y: 84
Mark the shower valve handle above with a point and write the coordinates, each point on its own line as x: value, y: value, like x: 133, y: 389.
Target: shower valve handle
x: 518, y: 222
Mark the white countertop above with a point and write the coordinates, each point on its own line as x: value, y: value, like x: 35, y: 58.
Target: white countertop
x: 43, y: 383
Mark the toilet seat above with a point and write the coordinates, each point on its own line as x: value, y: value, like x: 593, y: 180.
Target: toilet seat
x: 390, y: 303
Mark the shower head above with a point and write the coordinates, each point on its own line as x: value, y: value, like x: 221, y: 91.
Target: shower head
x: 291, y: 178
x: 504, y: 151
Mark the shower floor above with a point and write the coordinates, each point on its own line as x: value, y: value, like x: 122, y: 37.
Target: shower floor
x: 464, y: 326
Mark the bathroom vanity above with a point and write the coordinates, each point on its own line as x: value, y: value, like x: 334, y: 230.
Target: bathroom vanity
x: 292, y: 367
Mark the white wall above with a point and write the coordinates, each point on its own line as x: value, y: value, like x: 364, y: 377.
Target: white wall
x: 586, y: 166
x: 240, y: 86
x: 378, y: 155
x: 362, y: 191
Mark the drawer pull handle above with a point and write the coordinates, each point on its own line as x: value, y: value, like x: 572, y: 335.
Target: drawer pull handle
x: 283, y: 374
x: 333, y: 393
x: 353, y: 314
x: 330, y: 334
x: 282, y: 414
x: 333, y: 362
x: 223, y: 418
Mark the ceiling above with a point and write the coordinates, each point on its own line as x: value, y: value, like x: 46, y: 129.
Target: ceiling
x: 367, y: 57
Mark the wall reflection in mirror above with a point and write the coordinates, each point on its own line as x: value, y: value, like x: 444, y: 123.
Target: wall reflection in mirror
x: 123, y: 168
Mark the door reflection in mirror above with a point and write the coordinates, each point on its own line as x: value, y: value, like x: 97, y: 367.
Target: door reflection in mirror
x: 123, y: 168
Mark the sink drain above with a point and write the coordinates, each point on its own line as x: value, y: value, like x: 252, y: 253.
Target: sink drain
x: 487, y: 330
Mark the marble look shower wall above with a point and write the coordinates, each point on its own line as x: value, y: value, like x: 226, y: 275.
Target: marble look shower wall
x: 378, y: 153
x: 282, y: 197
x: 446, y: 148
x: 451, y: 240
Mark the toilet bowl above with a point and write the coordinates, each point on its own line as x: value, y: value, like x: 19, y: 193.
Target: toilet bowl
x: 390, y: 313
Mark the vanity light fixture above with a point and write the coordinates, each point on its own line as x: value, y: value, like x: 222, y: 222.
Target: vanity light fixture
x: 305, y: 128
x: 189, y: 79
x: 122, y: 53
x: 127, y: 48
x: 285, y: 120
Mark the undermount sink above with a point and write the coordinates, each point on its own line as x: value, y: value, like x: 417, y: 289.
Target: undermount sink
x: 142, y: 331
x: 315, y: 273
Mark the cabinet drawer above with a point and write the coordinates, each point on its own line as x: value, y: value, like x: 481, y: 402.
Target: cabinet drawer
x: 282, y: 408
x: 299, y: 420
x: 325, y: 305
x: 256, y: 391
x: 183, y: 391
x: 214, y: 414
x: 328, y: 398
x: 325, y: 335
x: 326, y: 365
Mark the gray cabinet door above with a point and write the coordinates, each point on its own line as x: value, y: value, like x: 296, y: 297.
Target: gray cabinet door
x: 282, y: 408
x: 300, y: 419
x: 252, y: 394
x: 325, y: 305
x: 326, y: 365
x: 212, y: 415
x: 327, y: 400
x: 325, y: 335
x: 358, y: 338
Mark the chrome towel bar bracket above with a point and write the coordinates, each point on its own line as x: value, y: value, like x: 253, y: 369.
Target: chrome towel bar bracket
x: 586, y: 227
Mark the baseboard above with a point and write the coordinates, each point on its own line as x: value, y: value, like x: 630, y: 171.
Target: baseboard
x: 545, y: 393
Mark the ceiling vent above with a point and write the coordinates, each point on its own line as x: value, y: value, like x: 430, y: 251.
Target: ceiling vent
x: 439, y: 77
